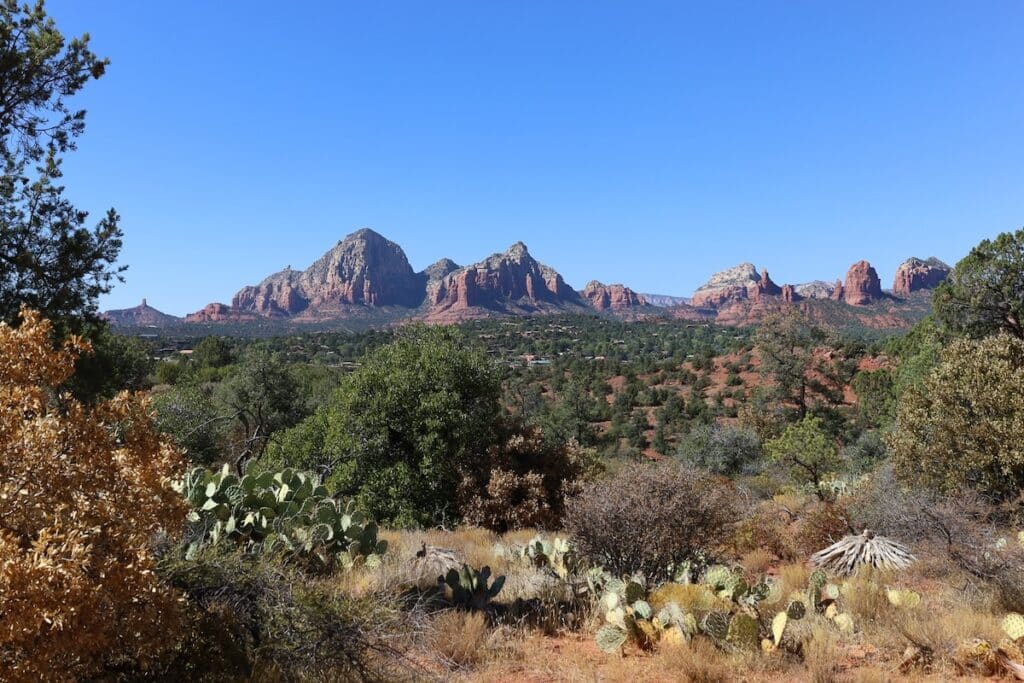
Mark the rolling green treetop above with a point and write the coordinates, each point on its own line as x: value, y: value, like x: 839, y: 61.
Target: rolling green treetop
x: 964, y: 424
x: 984, y: 294
x: 403, y: 428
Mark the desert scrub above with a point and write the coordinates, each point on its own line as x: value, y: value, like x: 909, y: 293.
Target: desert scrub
x: 652, y: 518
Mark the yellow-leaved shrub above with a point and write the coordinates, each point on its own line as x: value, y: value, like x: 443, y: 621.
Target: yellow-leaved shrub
x: 83, y: 489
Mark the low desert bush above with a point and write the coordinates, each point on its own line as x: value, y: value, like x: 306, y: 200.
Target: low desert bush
x: 820, y: 526
x: 652, y: 518
x: 963, y: 524
x: 722, y: 449
x: 254, y: 613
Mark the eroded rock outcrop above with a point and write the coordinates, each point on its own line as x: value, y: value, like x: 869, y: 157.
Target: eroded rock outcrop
x: 142, y: 315
x: 611, y: 297
x: 862, y: 285
x: 916, y: 274
x: 220, y: 313
x: 726, y: 286
x: 510, y: 281
x: 364, y: 269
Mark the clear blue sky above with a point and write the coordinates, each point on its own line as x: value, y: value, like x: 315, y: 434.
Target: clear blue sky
x: 649, y: 143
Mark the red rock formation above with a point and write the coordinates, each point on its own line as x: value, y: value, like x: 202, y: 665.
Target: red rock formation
x: 837, y: 291
x: 615, y: 297
x: 278, y: 295
x: 364, y: 269
x: 862, y: 285
x: 218, y: 313
x: 764, y: 287
x: 142, y: 315
x: 512, y: 281
x: 915, y: 274
x: 727, y: 287
x: 789, y: 294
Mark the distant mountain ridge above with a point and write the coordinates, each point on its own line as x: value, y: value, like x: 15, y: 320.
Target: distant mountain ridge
x: 366, y: 272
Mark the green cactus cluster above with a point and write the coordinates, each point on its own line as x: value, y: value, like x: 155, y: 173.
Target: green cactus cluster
x: 554, y: 553
x: 629, y: 617
x: 468, y: 588
x: 282, y: 511
x: 730, y: 613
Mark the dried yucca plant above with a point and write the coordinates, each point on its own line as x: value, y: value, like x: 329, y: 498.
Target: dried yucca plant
x: 851, y: 553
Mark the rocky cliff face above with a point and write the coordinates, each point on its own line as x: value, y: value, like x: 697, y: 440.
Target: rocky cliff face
x: 278, y: 295
x: 862, y: 285
x: 437, y: 270
x: 142, y: 315
x: 726, y: 286
x: 511, y: 281
x: 818, y: 289
x: 363, y: 269
x: 665, y: 300
x: 611, y: 297
x: 366, y: 269
x: 764, y: 287
x: 916, y: 274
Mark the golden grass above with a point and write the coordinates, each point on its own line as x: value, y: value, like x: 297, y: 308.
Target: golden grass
x: 757, y: 561
x: 821, y: 655
x: 460, y: 637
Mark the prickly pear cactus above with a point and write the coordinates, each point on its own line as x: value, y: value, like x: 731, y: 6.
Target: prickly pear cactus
x: 796, y: 610
x: 716, y: 625
x: 1013, y: 626
x: 743, y: 632
x: 469, y: 588
x: 284, y: 511
x: 904, y: 599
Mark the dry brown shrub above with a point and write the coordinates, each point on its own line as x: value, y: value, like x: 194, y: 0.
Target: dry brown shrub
x: 460, y: 637
x: 765, y: 529
x: 523, y: 482
x: 820, y: 526
x: 82, y: 491
x: 650, y: 517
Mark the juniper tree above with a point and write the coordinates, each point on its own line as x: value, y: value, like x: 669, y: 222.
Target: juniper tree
x: 49, y: 259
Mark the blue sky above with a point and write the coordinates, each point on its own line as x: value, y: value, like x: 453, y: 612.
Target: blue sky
x: 649, y: 143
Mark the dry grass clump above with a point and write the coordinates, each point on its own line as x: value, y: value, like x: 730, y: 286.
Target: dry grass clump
x: 864, y: 596
x: 792, y: 577
x: 757, y: 561
x: 940, y: 631
x: 821, y: 654
x: 691, y: 597
x: 698, y: 661
x: 460, y: 637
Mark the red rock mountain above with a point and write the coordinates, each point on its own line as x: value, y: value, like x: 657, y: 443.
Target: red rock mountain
x: 916, y: 274
x: 363, y: 269
x: 509, y: 282
x: 142, y: 315
x: 862, y: 285
x: 611, y: 297
x: 366, y: 271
